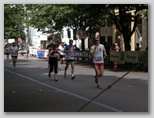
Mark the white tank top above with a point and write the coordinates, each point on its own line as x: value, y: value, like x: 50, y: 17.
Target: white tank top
x: 98, y: 55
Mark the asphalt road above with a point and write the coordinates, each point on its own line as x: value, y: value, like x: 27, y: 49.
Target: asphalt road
x: 29, y: 89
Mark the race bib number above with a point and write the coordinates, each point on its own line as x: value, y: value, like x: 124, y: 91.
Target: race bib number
x: 71, y: 54
x: 98, y: 58
x: 56, y: 55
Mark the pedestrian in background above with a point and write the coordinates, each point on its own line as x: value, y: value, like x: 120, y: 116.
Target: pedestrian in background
x: 53, y: 61
x: 97, y: 53
x: 117, y: 49
x: 14, y: 54
x: 137, y: 47
x: 70, y: 58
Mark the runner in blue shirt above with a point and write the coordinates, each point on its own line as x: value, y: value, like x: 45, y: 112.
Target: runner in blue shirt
x: 70, y: 57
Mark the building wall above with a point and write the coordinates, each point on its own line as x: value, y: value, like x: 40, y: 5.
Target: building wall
x: 37, y: 38
x: 144, y: 34
x: 77, y: 42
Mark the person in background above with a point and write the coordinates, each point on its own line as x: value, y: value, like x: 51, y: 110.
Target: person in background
x: 14, y: 54
x: 137, y: 47
x: 97, y: 53
x: 62, y: 55
x: 7, y: 50
x: 117, y: 49
x: 53, y: 61
x: 70, y: 58
x: 49, y: 47
x: 76, y: 48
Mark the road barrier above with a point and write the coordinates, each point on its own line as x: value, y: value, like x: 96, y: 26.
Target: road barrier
x: 129, y: 56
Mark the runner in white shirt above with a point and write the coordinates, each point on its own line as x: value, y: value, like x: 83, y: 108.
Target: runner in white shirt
x: 96, y: 52
x: 61, y: 49
x: 14, y: 54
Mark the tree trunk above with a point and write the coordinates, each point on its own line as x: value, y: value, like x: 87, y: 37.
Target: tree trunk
x: 127, y: 43
x: 83, y: 44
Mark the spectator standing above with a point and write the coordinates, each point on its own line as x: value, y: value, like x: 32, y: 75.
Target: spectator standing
x: 117, y: 49
x: 137, y: 47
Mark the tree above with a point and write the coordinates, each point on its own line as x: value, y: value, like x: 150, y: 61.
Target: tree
x: 52, y: 18
x: 76, y: 16
x: 13, y: 21
x: 122, y: 19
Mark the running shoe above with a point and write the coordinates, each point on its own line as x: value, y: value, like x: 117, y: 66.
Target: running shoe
x: 98, y: 86
x: 73, y: 77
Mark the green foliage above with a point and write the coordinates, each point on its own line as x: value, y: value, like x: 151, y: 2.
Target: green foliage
x: 123, y: 18
x: 13, y: 21
x: 51, y: 18
x: 56, y: 16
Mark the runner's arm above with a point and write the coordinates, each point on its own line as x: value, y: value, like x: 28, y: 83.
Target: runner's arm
x: 104, y: 52
x: 49, y: 54
x: 92, y: 51
x: 66, y: 50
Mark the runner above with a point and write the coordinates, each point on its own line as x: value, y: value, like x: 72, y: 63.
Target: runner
x: 14, y: 54
x: 61, y: 49
x: 70, y: 56
x: 96, y: 52
x: 7, y: 50
x: 53, y: 61
x: 49, y: 47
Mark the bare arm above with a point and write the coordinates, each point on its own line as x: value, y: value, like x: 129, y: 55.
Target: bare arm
x: 104, y: 52
x: 92, y: 52
x: 49, y: 54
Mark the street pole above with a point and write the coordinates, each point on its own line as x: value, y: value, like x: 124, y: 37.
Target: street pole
x: 18, y: 25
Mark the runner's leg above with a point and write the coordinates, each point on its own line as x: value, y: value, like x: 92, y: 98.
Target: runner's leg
x: 101, y: 68
x: 97, y: 73
x: 72, y: 69
x: 67, y: 64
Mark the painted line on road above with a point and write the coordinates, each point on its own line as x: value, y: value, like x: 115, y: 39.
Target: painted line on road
x: 66, y: 92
